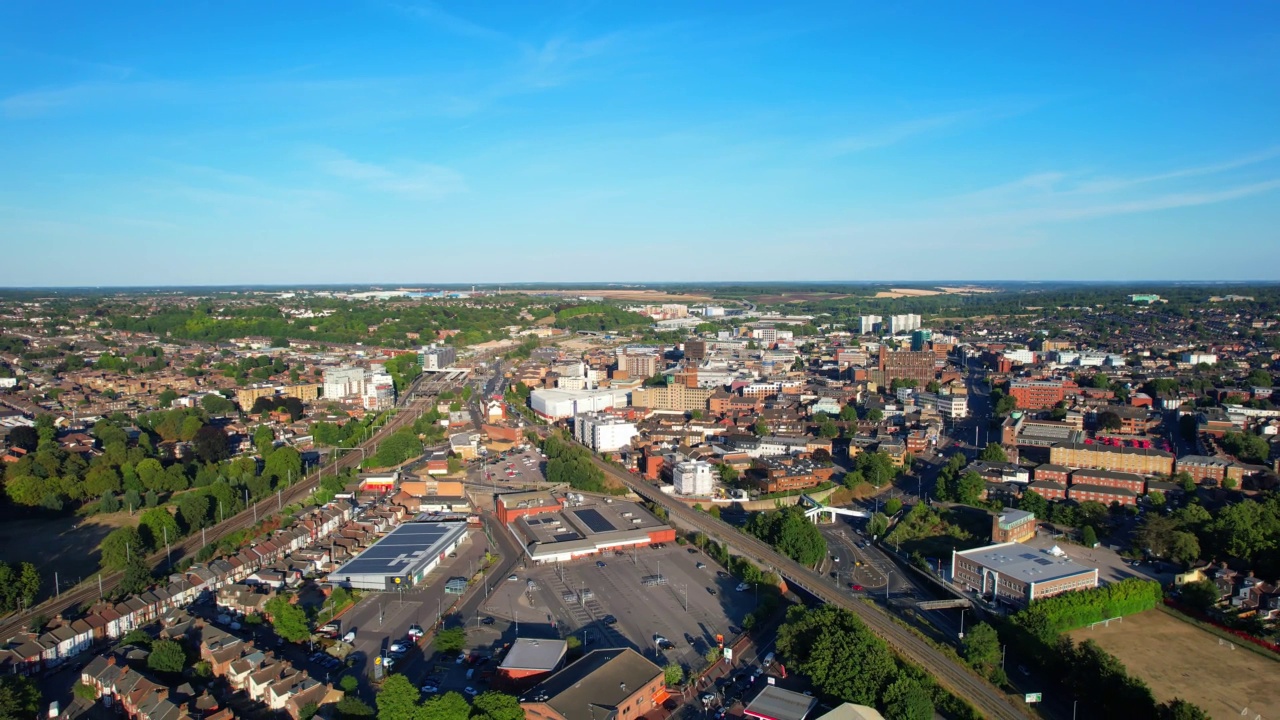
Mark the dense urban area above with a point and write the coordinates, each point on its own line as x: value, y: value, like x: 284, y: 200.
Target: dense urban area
x: 776, y: 501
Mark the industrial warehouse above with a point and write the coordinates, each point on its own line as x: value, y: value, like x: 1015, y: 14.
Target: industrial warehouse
x: 557, y: 528
x: 403, y: 558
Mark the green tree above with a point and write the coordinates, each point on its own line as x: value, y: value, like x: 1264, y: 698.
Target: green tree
x: 264, y: 439
x: 449, y: 706
x: 836, y: 651
x: 1157, y: 498
x: 349, y: 683
x: 981, y: 648
x: 878, y: 525
x: 790, y: 533
x: 215, y: 404
x: 993, y: 452
x: 1201, y: 595
x: 194, y: 509
x: 398, y: 699
x: 28, y: 585
x: 674, y: 674
x: 288, y: 620
x: 167, y: 396
x: 19, y: 698
x: 892, y: 506
x: 83, y: 692
x: 1088, y: 536
x: 155, y: 525
x: 137, y: 637
x: 969, y: 488
x: 137, y: 575
x: 1006, y: 404
x: 875, y: 415
x: 906, y: 699
x: 351, y: 707
x: 1032, y: 502
x: 496, y: 706
x: 761, y: 428
x: 167, y: 656
x: 121, y: 544
x: 284, y: 466
x: 451, y: 640
x: 1184, y: 547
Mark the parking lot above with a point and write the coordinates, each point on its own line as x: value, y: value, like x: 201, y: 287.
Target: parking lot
x: 516, y: 471
x: 624, y: 604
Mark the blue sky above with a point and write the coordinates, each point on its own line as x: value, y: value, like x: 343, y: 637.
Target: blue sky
x: 404, y: 142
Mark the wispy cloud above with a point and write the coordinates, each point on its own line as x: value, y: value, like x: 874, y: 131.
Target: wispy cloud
x: 409, y: 178
x: 898, y: 132
x: 39, y: 103
x: 1103, y: 185
x: 433, y: 14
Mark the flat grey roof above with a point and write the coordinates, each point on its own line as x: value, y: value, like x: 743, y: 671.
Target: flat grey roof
x: 535, y: 654
x: 1024, y: 563
x: 774, y: 703
x: 404, y: 549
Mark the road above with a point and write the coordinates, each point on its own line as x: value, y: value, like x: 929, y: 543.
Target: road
x: 988, y: 700
x: 95, y: 588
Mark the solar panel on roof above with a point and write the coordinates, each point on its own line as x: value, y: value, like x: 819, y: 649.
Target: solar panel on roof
x: 1028, y: 556
x: 594, y: 520
x: 1042, y: 561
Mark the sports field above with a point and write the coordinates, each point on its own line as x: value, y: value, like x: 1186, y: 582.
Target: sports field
x: 1177, y: 659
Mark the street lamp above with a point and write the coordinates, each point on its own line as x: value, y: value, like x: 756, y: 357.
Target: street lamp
x: 962, y: 612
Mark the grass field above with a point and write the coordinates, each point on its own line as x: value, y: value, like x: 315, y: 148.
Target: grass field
x: 1177, y: 659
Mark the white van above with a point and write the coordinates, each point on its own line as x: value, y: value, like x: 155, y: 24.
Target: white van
x: 768, y: 660
x: 350, y: 637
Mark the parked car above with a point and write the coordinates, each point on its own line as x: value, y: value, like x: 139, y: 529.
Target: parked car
x: 711, y: 590
x: 487, y: 621
x: 701, y: 566
x: 470, y: 691
x: 429, y: 689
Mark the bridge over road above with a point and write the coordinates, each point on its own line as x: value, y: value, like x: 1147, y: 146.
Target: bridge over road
x: 990, y: 702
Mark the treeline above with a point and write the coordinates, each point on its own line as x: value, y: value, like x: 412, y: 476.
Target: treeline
x: 598, y: 316
x: 403, y: 369
x: 1047, y: 618
x: 846, y: 661
x: 386, y: 323
x: 790, y: 533
x: 570, y: 463
x: 19, y: 585
x: 53, y: 478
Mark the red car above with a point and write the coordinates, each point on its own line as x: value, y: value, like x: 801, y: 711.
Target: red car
x: 855, y: 587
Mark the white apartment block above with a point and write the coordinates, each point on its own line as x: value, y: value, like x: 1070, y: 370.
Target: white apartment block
x: 602, y: 432
x: 694, y: 477
x: 867, y: 324
x: 897, y: 324
x: 343, y: 382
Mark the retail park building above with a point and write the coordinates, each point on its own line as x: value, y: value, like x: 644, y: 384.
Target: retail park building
x: 554, y: 527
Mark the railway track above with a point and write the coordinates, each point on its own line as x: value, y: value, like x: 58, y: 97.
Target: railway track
x: 988, y: 700
x: 102, y: 585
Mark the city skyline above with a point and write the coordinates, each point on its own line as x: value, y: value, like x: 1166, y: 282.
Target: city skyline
x: 423, y: 143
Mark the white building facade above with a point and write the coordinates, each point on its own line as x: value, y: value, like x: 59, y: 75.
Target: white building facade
x: 693, y: 477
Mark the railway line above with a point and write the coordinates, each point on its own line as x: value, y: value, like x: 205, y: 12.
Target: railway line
x: 988, y: 700
x: 422, y: 396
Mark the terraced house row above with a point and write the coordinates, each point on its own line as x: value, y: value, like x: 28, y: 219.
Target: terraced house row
x: 324, y: 535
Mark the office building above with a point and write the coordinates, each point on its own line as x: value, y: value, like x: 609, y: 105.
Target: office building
x: 1016, y: 574
x: 695, y: 350
x: 603, y: 432
x: 920, y: 339
x: 1037, y: 394
x: 639, y: 360
x: 953, y: 407
x: 694, y: 477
